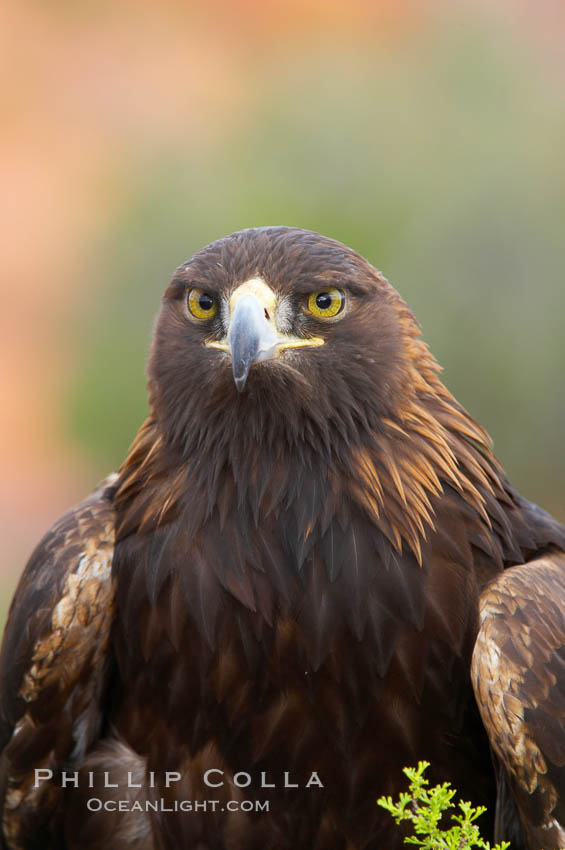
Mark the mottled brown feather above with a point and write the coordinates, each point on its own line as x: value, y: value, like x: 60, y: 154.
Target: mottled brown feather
x: 519, y: 679
x: 53, y: 665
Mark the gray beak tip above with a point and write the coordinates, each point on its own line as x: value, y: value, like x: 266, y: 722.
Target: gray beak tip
x: 240, y: 382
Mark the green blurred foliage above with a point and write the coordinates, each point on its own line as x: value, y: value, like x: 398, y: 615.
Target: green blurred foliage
x: 443, y: 164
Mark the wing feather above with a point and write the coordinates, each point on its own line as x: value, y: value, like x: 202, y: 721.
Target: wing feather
x: 518, y: 675
x: 53, y: 665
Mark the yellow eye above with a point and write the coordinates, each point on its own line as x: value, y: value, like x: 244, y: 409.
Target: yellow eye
x: 326, y: 304
x: 201, y: 304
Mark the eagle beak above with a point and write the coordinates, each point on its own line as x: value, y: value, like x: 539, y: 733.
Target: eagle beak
x: 253, y: 334
x: 251, y: 338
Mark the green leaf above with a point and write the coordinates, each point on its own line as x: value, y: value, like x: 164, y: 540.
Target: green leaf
x: 427, y: 808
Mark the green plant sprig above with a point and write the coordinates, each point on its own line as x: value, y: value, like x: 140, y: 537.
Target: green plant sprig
x: 425, y: 808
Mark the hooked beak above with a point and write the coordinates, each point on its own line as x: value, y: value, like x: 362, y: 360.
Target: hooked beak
x: 251, y: 338
x: 253, y: 335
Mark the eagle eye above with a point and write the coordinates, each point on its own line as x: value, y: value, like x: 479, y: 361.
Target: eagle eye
x: 201, y: 305
x: 325, y: 304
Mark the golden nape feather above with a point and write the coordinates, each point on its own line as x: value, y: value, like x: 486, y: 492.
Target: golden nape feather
x: 307, y: 561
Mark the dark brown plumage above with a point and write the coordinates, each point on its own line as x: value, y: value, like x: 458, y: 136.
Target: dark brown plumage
x: 306, y: 539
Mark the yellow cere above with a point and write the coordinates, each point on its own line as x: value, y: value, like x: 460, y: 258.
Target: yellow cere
x: 201, y: 305
x: 325, y: 304
x: 262, y: 291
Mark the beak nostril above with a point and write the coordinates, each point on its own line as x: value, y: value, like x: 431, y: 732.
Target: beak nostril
x: 267, y: 314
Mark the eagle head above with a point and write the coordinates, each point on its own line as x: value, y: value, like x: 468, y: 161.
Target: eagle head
x: 280, y: 328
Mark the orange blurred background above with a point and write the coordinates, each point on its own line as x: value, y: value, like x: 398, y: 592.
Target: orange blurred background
x: 104, y: 104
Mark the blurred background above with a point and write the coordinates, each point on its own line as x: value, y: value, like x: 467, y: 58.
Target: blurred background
x: 427, y: 134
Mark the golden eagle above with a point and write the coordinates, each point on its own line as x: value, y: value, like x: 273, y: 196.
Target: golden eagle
x: 309, y: 572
